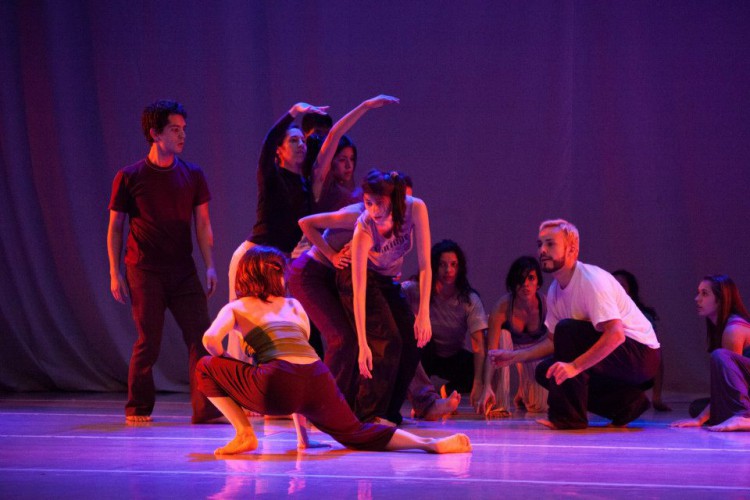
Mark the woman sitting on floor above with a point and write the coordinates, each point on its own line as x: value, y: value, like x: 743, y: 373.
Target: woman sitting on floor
x: 630, y: 284
x: 288, y: 377
x: 516, y: 321
x: 728, y: 333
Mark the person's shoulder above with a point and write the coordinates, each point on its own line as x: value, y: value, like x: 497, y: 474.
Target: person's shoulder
x: 293, y: 303
x: 474, y: 297
x: 190, y: 167
x: 501, y: 307
x: 133, y: 168
x: 737, y: 325
x: 594, y: 275
x: 413, y: 201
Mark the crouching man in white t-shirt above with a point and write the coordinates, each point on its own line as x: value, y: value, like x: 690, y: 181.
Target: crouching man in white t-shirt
x: 602, y: 351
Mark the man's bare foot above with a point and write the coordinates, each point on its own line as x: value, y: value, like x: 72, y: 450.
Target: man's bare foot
x: 546, y: 423
x: 244, y: 441
x: 138, y: 419
x: 735, y: 423
x: 443, y: 407
x: 457, y: 443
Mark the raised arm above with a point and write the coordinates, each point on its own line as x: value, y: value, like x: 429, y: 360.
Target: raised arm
x: 422, y: 325
x: 267, y: 160
x: 222, y: 326
x: 313, y: 225
x: 117, y: 284
x: 205, y: 237
x: 341, y: 127
x: 361, y: 245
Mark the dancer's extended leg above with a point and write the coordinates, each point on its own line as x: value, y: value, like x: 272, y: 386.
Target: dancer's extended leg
x: 402, y: 440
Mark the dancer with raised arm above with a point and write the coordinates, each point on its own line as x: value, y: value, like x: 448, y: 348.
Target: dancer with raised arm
x: 283, y: 192
x: 312, y: 278
x: 289, y: 377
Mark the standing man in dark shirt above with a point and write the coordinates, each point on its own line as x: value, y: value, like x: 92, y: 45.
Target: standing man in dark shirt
x: 161, y: 195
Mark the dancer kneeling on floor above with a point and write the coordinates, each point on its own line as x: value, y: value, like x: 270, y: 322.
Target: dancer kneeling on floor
x: 728, y: 332
x: 604, y: 352
x: 288, y: 377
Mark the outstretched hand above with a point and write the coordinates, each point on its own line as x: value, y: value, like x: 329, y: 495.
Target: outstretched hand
x: 486, y: 400
x: 500, y: 358
x: 302, y: 108
x: 692, y: 422
x: 381, y: 100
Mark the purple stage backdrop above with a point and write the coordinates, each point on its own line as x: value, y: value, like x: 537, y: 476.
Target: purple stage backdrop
x: 628, y: 118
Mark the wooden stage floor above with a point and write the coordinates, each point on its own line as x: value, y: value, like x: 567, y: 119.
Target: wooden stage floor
x: 77, y: 446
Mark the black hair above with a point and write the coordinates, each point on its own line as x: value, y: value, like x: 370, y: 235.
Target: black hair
x: 519, y: 270
x: 156, y: 116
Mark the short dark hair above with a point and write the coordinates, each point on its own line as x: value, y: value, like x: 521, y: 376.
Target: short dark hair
x: 311, y: 121
x: 519, y: 270
x: 260, y: 273
x: 156, y: 116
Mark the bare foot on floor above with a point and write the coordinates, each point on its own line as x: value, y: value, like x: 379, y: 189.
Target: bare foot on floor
x: 138, y: 419
x: 443, y: 407
x: 546, y: 423
x: 242, y: 442
x: 457, y: 443
x: 496, y: 413
x: 735, y: 423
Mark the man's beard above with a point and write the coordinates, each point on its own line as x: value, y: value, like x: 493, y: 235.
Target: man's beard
x: 551, y: 265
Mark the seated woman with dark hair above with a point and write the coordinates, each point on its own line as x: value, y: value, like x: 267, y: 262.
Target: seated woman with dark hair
x: 630, y: 284
x: 289, y: 377
x: 728, y: 334
x: 516, y: 321
x: 456, y: 311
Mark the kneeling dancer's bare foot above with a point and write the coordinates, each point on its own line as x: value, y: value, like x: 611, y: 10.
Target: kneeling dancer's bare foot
x: 443, y: 407
x: 457, y: 443
x: 137, y: 419
x: 735, y: 423
x: 244, y: 441
x: 546, y: 423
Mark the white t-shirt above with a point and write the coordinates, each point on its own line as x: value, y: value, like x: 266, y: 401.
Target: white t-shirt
x: 387, y: 253
x: 594, y: 295
x: 452, y: 320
